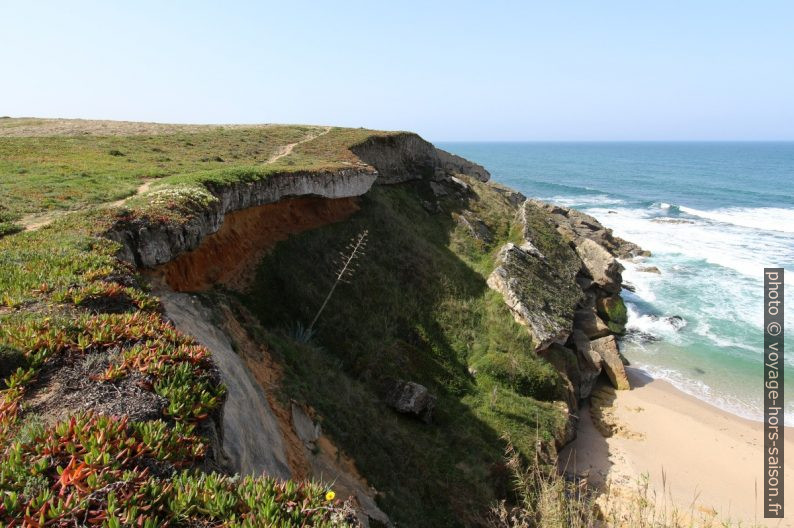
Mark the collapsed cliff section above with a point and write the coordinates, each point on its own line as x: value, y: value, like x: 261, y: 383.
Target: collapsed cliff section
x: 405, y: 157
x: 563, y: 282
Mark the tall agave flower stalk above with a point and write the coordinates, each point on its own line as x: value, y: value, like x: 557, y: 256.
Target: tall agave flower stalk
x: 346, y: 267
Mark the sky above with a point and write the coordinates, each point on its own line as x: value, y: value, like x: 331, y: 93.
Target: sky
x: 482, y: 71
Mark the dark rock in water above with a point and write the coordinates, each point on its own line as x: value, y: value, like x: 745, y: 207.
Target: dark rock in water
x: 639, y: 336
x: 676, y: 321
x: 629, y: 286
x: 411, y: 398
x: 699, y: 370
x: 649, y: 269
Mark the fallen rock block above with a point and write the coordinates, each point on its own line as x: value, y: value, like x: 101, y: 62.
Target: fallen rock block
x: 611, y: 362
x: 603, y: 267
x: 613, y: 310
x: 408, y: 397
x: 589, y: 363
x: 590, y: 324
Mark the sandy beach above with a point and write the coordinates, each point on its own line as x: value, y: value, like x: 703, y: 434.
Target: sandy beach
x: 697, y: 456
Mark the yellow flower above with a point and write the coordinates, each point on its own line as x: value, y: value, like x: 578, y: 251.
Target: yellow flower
x: 330, y: 495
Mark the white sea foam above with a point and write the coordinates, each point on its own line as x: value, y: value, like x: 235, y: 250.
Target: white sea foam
x: 735, y: 247
x: 664, y: 327
x: 763, y: 218
x: 711, y: 275
x: 589, y: 200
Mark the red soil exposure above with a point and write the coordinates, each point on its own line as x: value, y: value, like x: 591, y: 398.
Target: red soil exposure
x: 229, y: 256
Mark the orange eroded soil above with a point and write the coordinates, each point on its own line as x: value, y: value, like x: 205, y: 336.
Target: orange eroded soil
x: 230, y: 256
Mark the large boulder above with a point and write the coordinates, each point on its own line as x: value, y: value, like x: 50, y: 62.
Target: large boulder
x: 604, y: 269
x: 537, y: 296
x: 590, y: 324
x: 408, y: 397
x: 607, y: 348
x: 613, y: 310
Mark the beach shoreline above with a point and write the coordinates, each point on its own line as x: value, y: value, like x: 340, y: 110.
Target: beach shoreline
x: 698, y: 457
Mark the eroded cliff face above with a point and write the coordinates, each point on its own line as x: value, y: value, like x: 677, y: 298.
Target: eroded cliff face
x: 146, y: 244
x: 561, y: 281
x: 229, y: 256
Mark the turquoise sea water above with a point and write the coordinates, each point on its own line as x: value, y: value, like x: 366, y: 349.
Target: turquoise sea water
x: 713, y: 214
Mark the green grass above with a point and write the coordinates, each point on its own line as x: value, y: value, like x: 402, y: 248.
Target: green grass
x: 67, y: 172
x: 418, y: 308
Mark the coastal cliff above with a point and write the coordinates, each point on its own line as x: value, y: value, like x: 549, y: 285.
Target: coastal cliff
x: 474, y: 316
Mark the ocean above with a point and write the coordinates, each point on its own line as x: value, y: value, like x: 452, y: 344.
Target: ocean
x: 713, y: 215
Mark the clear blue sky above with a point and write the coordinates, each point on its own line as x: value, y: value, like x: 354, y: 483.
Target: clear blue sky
x: 572, y: 70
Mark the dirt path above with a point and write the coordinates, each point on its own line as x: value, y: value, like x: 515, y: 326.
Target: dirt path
x: 35, y: 221
x: 286, y: 150
x: 142, y: 188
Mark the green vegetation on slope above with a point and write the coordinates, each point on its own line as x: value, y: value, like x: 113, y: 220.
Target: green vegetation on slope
x: 417, y: 309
